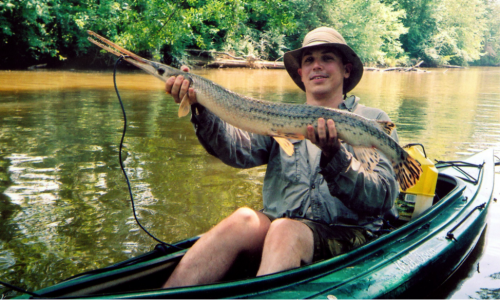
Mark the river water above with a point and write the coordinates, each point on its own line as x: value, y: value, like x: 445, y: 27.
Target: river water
x: 64, y: 204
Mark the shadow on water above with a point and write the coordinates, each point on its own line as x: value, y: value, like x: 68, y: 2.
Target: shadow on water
x: 468, y: 272
x: 479, y: 276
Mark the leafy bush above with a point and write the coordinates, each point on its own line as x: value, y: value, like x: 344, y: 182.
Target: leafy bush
x: 382, y: 32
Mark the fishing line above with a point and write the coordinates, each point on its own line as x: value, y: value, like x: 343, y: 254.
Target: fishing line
x: 18, y: 289
x: 121, y: 162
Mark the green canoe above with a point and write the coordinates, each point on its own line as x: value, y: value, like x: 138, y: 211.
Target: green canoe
x: 407, y: 262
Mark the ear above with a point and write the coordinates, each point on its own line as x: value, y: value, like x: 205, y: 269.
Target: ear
x: 347, y: 68
x: 300, y: 73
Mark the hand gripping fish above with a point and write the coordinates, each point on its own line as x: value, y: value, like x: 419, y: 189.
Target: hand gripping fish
x: 282, y: 120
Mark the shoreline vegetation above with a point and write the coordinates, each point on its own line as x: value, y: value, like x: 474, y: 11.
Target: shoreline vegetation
x: 392, y: 35
x: 253, y: 63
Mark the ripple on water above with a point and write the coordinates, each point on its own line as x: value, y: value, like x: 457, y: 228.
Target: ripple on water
x: 29, y: 183
x: 7, y: 259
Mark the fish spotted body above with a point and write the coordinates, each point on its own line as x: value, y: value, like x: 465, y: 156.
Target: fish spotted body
x: 283, y: 121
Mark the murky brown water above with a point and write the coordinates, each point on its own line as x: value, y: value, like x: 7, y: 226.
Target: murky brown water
x: 64, y: 204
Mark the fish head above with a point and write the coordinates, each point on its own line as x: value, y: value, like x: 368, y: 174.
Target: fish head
x: 159, y: 70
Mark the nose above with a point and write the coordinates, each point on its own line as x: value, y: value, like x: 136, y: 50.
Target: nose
x: 317, y: 65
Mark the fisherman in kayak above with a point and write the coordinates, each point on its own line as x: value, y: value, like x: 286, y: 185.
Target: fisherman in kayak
x: 318, y: 203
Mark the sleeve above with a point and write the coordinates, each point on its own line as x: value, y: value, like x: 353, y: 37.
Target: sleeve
x: 233, y: 146
x: 370, y: 193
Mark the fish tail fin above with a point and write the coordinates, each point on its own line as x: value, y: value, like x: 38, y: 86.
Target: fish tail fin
x: 407, y: 171
x: 386, y: 126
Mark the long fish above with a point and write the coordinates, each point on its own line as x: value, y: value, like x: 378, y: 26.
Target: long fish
x: 283, y: 121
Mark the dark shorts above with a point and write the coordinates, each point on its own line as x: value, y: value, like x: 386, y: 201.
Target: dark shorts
x: 332, y: 240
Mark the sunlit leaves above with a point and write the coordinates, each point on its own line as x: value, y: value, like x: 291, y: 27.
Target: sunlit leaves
x: 446, y: 31
x: 371, y: 28
x: 491, y: 42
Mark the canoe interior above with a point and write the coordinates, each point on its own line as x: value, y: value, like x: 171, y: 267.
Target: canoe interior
x: 152, y: 270
x: 459, y: 208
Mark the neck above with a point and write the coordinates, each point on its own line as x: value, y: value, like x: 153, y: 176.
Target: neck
x: 332, y: 101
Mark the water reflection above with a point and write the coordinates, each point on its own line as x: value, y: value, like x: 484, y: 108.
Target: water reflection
x: 63, y: 201
x: 36, y: 185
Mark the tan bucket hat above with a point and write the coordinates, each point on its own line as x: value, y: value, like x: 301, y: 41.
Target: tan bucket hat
x: 325, y: 36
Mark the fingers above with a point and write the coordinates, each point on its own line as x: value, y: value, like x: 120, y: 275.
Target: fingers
x: 332, y: 132
x: 178, y: 87
x: 322, y: 138
x: 321, y: 135
x: 325, y: 136
x: 192, y: 96
x: 311, y: 134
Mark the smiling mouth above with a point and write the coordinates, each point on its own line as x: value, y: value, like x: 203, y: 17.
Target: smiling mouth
x: 318, y: 77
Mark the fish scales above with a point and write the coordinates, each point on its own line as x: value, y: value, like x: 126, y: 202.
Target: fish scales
x: 289, y: 119
x: 282, y: 120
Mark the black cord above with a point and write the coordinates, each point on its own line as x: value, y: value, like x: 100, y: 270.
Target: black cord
x: 121, y: 162
x: 18, y: 289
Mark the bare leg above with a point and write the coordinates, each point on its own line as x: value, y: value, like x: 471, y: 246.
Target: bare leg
x: 288, y: 244
x: 209, y: 259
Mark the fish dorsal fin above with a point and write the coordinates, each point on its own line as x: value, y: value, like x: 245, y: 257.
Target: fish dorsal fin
x: 285, y: 144
x: 185, y: 107
x: 368, y: 157
x: 386, y: 126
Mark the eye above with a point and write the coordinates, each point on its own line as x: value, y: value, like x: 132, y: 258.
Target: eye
x: 161, y: 71
x: 308, y: 59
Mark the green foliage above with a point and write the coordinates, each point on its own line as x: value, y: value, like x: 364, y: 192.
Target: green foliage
x: 445, y: 31
x: 491, y: 54
x: 371, y: 28
x: 167, y: 28
x: 382, y: 32
x: 31, y: 29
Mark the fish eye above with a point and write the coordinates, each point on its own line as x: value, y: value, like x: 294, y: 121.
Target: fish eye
x: 161, y: 71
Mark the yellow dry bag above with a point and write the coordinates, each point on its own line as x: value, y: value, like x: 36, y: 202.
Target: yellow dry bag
x: 417, y: 199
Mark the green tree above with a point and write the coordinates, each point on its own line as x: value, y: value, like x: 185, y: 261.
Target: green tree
x: 444, y: 31
x: 32, y: 29
x: 372, y: 28
x: 167, y: 28
x: 380, y: 31
x: 491, y: 51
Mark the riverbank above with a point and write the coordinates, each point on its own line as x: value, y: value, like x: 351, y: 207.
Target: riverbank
x: 197, y: 59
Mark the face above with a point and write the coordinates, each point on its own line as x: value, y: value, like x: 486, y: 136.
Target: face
x: 323, y: 72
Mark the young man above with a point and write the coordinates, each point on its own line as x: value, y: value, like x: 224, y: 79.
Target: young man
x: 318, y: 203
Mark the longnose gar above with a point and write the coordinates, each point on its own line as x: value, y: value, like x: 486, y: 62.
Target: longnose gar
x: 282, y: 120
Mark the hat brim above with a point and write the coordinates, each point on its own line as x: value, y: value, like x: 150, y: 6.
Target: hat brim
x: 292, y: 61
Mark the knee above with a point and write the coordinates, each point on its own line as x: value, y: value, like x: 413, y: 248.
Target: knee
x: 247, y: 220
x: 286, y: 233
x: 245, y: 215
x: 281, y: 228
